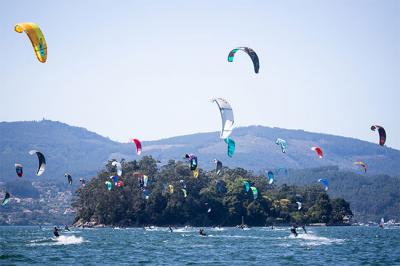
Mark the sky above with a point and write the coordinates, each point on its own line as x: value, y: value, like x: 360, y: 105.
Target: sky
x: 148, y: 69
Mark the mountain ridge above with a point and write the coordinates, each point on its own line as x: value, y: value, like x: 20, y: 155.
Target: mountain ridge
x: 83, y: 152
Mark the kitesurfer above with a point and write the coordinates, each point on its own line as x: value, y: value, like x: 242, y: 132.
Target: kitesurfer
x: 170, y: 229
x: 55, y: 232
x: 66, y: 228
x: 293, y: 230
x: 202, y: 233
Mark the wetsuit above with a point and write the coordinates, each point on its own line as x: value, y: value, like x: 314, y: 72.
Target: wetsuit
x: 293, y: 231
x: 201, y: 232
x: 55, y: 232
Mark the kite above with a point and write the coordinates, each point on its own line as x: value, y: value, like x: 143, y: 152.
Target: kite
x: 19, y: 169
x: 250, y: 52
x: 138, y: 146
x: 319, y: 151
x: 226, y: 117
x: 382, y: 134
x: 231, y: 146
x: 36, y: 37
x: 42, y: 162
x: 282, y: 143
x: 324, y: 182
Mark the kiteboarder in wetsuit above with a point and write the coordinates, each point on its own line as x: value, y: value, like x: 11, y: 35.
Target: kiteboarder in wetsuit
x: 66, y: 228
x: 55, y: 232
x: 293, y: 230
x: 202, y: 233
x: 170, y: 228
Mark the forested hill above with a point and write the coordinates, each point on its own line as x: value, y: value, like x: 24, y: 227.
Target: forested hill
x: 172, y: 196
x: 371, y: 196
x: 83, y: 153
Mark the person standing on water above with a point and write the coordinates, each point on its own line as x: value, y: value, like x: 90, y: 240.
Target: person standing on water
x: 293, y: 230
x: 202, y: 233
x: 55, y: 231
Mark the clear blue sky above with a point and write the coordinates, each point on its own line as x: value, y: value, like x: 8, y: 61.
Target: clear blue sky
x: 147, y: 69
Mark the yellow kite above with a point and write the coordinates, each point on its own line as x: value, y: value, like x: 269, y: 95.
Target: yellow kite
x: 37, y: 39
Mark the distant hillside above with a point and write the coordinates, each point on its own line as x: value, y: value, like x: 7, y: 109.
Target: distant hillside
x: 66, y: 148
x: 371, y: 196
x: 256, y: 149
x: 83, y: 153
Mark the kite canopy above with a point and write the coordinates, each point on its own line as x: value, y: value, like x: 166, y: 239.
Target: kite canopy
x: 138, y: 146
x: 184, y: 192
x: 363, y: 165
x: 218, y: 166
x: 108, y: 185
x: 42, y: 162
x: 324, y: 182
x: 196, y: 173
x: 69, y: 178
x: 246, y: 185
x: 119, y: 167
x: 231, y: 146
x: 37, y: 39
x: 299, y: 205
x: 115, y: 179
x: 382, y: 134
x: 19, y: 169
x: 6, y: 199
x: 193, y: 161
x: 282, y: 143
x: 226, y: 117
x: 250, y: 52
x: 255, y: 192
x: 270, y: 176
x: 319, y: 151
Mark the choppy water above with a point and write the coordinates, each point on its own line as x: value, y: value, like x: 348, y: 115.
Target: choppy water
x: 184, y: 246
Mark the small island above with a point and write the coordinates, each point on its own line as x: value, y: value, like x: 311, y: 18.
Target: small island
x: 171, y: 195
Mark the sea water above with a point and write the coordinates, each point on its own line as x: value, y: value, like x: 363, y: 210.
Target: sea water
x: 21, y: 245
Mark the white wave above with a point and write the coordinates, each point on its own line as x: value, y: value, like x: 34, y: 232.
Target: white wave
x: 61, y: 240
x: 69, y: 240
x: 217, y: 229
x: 185, y: 230
x: 154, y: 228
x: 313, y: 240
x: 275, y: 229
x: 237, y: 236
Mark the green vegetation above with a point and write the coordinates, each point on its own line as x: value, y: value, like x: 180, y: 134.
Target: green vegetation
x: 127, y: 206
x: 371, y: 196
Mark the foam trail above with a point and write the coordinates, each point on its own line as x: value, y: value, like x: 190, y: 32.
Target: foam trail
x: 313, y: 240
x: 69, y: 240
